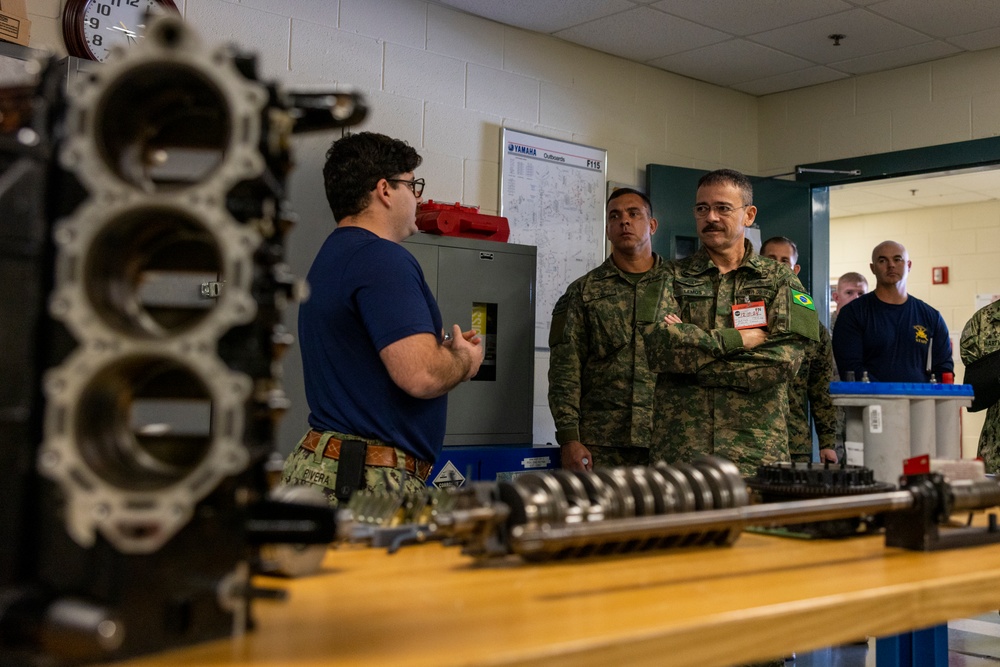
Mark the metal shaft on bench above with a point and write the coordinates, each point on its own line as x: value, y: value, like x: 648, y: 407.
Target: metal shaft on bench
x: 526, y: 541
x: 534, y: 540
x: 557, y: 514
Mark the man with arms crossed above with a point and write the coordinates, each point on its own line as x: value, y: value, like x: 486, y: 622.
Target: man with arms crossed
x: 738, y: 337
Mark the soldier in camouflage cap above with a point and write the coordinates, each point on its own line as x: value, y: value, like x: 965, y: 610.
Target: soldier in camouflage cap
x: 737, y: 338
x: 600, y: 388
x: 980, y: 347
x: 809, y: 391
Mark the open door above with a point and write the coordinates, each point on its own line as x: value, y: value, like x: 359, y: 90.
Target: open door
x: 797, y: 210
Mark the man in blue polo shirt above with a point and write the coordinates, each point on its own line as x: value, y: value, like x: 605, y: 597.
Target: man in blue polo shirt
x: 888, y: 334
x: 376, y: 361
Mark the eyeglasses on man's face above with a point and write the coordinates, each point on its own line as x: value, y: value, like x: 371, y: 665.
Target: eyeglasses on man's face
x: 721, y: 210
x: 417, y: 184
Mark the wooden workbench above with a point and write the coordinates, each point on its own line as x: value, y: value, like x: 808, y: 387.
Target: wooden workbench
x: 705, y: 607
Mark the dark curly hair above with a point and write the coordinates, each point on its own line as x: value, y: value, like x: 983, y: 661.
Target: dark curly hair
x: 355, y: 163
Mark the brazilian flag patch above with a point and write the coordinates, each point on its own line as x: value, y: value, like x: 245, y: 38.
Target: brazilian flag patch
x: 803, y: 299
x: 803, y: 319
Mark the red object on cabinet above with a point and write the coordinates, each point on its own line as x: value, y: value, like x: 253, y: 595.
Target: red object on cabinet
x: 464, y: 221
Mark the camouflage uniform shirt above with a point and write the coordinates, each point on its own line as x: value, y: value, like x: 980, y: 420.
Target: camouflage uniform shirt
x: 809, y: 392
x: 714, y: 396
x: 980, y: 338
x: 600, y: 388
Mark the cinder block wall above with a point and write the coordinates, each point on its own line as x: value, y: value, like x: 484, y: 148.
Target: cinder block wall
x: 941, y: 102
x: 447, y: 82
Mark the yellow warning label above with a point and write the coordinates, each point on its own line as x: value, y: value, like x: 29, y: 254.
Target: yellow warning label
x: 479, y: 317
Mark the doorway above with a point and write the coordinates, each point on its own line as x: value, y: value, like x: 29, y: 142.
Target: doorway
x: 949, y: 222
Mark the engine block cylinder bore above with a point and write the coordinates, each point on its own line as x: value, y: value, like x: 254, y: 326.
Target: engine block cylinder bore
x: 153, y: 270
x: 120, y: 446
x: 173, y: 118
x: 139, y: 251
x: 163, y: 126
x: 137, y: 434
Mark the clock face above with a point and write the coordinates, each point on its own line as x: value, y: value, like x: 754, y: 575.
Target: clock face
x: 107, y: 23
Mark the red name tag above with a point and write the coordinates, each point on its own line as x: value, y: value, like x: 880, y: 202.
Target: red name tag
x: 749, y: 315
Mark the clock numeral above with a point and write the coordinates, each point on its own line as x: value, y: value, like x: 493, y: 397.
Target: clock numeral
x: 96, y: 40
x: 132, y: 3
x: 103, y: 10
x: 94, y: 23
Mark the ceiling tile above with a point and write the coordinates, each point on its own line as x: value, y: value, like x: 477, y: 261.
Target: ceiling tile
x: 988, y: 179
x: 545, y: 16
x: 908, y: 55
x: 953, y: 199
x: 740, y: 17
x: 896, y: 194
x: 977, y: 41
x: 920, y: 189
x: 860, y: 195
x: 731, y: 62
x: 642, y: 34
x: 838, y: 211
x: 864, y: 33
x: 811, y: 76
x: 954, y: 17
x: 880, y: 34
x: 993, y: 192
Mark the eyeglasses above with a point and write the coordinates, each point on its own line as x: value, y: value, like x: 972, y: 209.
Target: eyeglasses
x: 417, y: 184
x: 722, y: 210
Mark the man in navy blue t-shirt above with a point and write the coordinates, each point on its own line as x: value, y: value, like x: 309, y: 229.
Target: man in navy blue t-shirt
x: 377, y: 363
x: 888, y: 334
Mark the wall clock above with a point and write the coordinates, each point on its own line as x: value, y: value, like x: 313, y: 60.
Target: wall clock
x: 92, y: 27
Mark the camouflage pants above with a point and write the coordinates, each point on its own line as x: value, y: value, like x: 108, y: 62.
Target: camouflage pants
x: 615, y: 457
x: 303, y: 467
x: 989, y: 440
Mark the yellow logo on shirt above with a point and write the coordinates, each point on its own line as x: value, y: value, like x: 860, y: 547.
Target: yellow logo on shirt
x: 921, y: 336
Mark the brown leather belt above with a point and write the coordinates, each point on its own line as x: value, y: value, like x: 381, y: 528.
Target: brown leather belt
x: 377, y: 455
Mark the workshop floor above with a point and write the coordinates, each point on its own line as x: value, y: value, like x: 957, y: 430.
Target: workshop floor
x: 972, y: 642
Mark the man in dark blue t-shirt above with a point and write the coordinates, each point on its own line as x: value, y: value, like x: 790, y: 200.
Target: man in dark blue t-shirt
x: 376, y: 361
x: 888, y: 334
